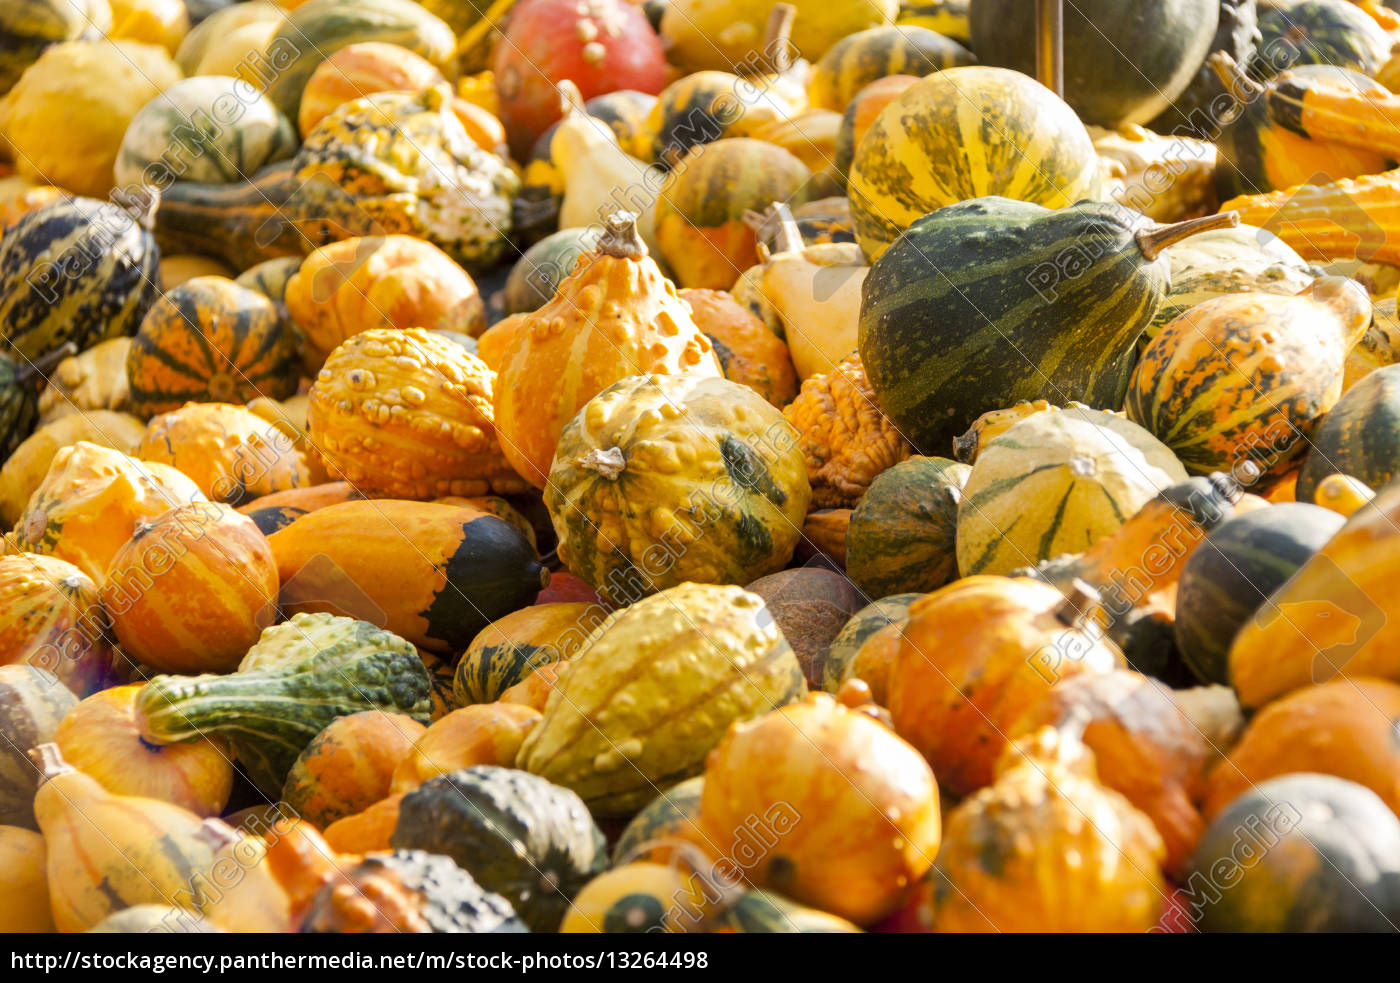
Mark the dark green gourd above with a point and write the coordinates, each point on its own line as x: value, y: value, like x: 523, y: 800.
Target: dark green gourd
x: 988, y: 302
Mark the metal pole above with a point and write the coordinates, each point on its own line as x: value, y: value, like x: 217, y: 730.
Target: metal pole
x: 1050, y: 45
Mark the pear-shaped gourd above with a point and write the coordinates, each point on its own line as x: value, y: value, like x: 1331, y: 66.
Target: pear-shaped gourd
x: 988, y: 302
x: 108, y: 852
x: 616, y: 315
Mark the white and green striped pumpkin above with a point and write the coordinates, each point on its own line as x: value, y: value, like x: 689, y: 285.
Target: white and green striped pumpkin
x: 213, y: 129
x: 1055, y: 483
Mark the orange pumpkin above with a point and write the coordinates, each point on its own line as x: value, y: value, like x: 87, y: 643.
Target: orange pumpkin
x: 192, y: 589
x: 101, y: 737
x: 349, y: 765
x: 365, y: 282
x: 360, y: 70
x: 748, y: 352
x: 51, y: 616
x: 367, y: 831
x: 822, y: 805
x: 304, y: 499
x: 88, y: 504
x: 1343, y: 727
x: 231, y: 453
x: 481, y: 734
x: 494, y: 342
x: 614, y: 316
x: 975, y: 657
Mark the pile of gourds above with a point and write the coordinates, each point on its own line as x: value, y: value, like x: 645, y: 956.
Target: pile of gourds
x: 695, y: 466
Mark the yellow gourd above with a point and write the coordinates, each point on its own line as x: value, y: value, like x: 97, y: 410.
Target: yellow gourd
x: 26, y: 467
x: 24, y: 904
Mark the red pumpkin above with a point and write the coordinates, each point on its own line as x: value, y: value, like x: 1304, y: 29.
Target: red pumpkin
x: 600, y: 45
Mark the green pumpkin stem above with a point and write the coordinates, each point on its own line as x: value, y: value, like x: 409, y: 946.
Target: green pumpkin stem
x: 44, y: 364
x: 620, y: 239
x: 1155, y: 240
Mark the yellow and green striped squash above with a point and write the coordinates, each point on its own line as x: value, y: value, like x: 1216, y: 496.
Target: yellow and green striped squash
x: 1056, y: 483
x: 859, y: 59
x: 510, y: 648
x: 27, y: 27
x: 964, y: 133
x: 947, y: 17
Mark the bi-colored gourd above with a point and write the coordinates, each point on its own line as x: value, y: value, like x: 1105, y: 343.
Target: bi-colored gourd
x: 481, y: 734
x: 508, y: 649
x: 349, y: 765
x: 51, y: 617
x: 358, y: 70
x: 748, y: 352
x: 859, y: 59
x: 903, y: 532
x: 33, y: 702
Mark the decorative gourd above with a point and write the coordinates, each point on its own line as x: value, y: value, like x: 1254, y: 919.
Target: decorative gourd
x: 33, y: 702
x: 601, y: 46
x: 155, y: 919
x: 496, y: 340
x: 301, y: 500
x: 210, y: 340
x: 1248, y: 375
x: 877, y: 800
x: 721, y: 35
x: 162, y: 22
x: 359, y: 70
x: 844, y: 438
x: 96, y: 86
x: 391, y: 163
x: 861, y: 111
x: 483, y: 734
x: 20, y: 383
x: 192, y: 589
x: 641, y: 897
x: 533, y: 691
x: 703, y: 107
x: 25, y: 904
x: 77, y: 270
x: 1134, y: 160
x: 231, y: 454
x: 1120, y: 66
x: 367, y: 831
x: 1324, y: 32
x: 1238, y: 260
x: 1262, y: 150
x: 510, y: 648
x: 810, y: 136
x: 812, y: 292
x: 408, y: 891
x: 1056, y: 482
x: 231, y: 41
x: 30, y: 27
x: 1236, y: 35
x: 614, y: 316
x: 1323, y: 856
x: 538, y: 272
x: 661, y: 832
x: 454, y: 569
x: 92, y: 381
x: 408, y: 414
x: 89, y: 503
x: 626, y: 112
x: 369, y: 282
x: 1144, y: 747
x: 1088, y: 279
x: 762, y: 912
x: 349, y: 765
x: 1234, y: 571
x: 1355, y: 436
x: 1342, y: 727
x: 903, y: 533
x: 859, y: 59
x: 824, y: 535
x: 101, y: 738
x: 176, y: 269
x: 626, y: 722
x: 532, y: 842
x: 301, y: 675
x: 107, y: 852
x: 1343, y: 494
x: 700, y: 209
x: 810, y: 606
x: 975, y: 656
x: 51, y: 616
x: 1042, y: 155
x: 1070, y: 855
x: 19, y: 198
x: 190, y: 133
x: 748, y: 352
x: 866, y: 646
x: 1378, y: 347
x: 721, y: 471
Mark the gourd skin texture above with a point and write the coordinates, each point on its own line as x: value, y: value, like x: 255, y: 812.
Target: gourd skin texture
x: 27, y: 27
x: 705, y: 34
x: 851, y: 654
x: 349, y: 765
x: 51, y: 617
x: 859, y: 59
x: 1358, y: 435
x: 358, y: 70
x: 655, y: 689
x: 665, y: 827
x: 747, y: 350
x: 661, y: 480
x: 510, y: 648
x: 33, y: 702
x: 903, y: 533
x: 24, y: 907
x: 481, y: 734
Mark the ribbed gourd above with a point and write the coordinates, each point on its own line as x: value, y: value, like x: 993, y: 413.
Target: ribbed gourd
x: 79, y: 270
x: 408, y: 414
x: 614, y: 316
x: 660, y: 480
x: 33, y: 702
x: 655, y: 689
x: 301, y: 675
x: 903, y: 533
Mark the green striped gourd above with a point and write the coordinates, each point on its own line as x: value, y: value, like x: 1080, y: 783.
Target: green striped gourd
x: 20, y: 383
x: 78, y: 270
x: 27, y: 27
x: 990, y: 302
x: 947, y: 17
x: 314, y: 31
x: 667, y: 823
x: 510, y: 648
x: 903, y: 530
x: 859, y: 59
x: 1321, y: 32
x: 300, y: 676
x: 1057, y: 482
x: 1360, y: 436
x: 873, y: 618
x: 929, y: 148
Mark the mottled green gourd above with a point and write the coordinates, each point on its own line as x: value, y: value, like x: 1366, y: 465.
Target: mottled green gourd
x: 988, y: 302
x: 300, y: 676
